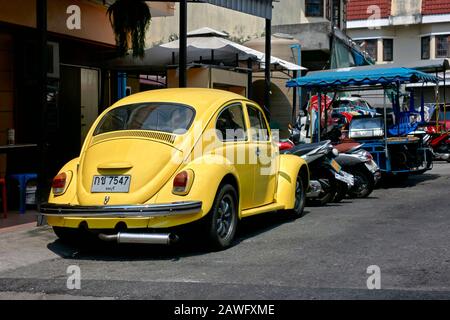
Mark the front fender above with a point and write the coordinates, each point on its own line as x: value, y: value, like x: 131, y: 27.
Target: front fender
x: 70, y: 196
x: 209, y: 171
x: 290, y: 167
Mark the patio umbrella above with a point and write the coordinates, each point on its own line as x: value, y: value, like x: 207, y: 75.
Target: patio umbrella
x: 202, y: 44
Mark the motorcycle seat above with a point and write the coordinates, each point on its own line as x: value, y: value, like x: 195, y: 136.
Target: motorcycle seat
x: 302, y: 149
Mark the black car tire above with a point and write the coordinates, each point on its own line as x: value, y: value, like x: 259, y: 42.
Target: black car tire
x: 222, y: 220
x: 300, y: 199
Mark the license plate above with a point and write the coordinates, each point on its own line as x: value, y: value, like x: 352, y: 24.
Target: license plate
x: 336, y: 166
x: 111, y: 184
x: 345, y: 177
x: 372, y: 166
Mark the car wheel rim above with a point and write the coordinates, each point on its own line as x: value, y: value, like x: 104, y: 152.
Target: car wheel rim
x: 225, y: 217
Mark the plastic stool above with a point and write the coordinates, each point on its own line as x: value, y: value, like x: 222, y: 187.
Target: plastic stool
x: 5, y: 207
x: 23, y: 179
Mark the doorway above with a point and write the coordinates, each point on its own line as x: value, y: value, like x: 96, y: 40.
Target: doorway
x: 79, y: 101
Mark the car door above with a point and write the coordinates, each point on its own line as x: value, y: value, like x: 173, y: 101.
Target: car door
x: 263, y: 155
x: 232, y: 134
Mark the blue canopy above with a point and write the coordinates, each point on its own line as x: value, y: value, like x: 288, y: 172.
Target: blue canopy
x: 333, y: 79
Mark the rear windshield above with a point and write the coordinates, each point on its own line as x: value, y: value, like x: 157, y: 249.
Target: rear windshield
x: 165, y: 117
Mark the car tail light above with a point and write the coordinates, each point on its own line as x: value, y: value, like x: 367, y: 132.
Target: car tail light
x: 285, y: 145
x: 368, y: 156
x: 182, y: 182
x: 59, y: 184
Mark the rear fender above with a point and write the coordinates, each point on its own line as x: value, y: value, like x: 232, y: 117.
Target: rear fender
x: 209, y: 172
x: 290, y: 167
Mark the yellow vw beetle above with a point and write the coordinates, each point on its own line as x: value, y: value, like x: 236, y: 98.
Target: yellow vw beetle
x: 161, y: 159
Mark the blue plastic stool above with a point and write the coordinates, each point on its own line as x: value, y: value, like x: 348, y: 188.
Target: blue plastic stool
x: 23, y: 179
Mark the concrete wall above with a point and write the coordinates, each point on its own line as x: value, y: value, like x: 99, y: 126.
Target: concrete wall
x: 95, y: 25
x: 407, y: 39
x: 241, y: 27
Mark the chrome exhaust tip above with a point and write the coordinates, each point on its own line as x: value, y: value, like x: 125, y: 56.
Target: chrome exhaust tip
x: 141, y: 238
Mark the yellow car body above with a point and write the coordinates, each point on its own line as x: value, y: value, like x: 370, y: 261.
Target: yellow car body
x: 146, y: 157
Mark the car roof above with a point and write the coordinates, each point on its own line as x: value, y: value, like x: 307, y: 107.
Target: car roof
x: 201, y: 99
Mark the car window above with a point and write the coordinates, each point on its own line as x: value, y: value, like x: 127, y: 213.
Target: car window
x: 258, y: 127
x: 230, y: 124
x: 172, y: 118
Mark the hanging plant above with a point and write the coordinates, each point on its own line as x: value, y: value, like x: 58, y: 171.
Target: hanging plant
x: 130, y: 20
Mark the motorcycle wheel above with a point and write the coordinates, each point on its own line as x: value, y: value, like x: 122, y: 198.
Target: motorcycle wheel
x: 340, y: 193
x: 325, y: 197
x: 364, y: 183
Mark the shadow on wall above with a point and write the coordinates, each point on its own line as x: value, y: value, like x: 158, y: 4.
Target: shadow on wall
x: 280, y: 104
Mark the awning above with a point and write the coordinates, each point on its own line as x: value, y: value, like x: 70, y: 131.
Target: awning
x: 332, y: 79
x: 202, y: 44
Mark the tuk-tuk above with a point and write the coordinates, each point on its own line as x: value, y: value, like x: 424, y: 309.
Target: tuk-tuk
x: 392, y: 139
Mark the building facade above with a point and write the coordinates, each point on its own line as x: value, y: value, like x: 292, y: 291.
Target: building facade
x: 400, y: 31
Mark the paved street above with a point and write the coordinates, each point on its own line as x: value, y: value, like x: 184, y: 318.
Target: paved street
x: 403, y: 229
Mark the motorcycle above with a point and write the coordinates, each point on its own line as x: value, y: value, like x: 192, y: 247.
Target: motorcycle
x: 439, y: 143
x: 359, y: 162
x: 328, y: 180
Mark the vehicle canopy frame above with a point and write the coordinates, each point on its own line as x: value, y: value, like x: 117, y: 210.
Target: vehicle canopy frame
x: 361, y: 79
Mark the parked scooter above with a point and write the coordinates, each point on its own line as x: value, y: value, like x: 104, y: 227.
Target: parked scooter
x: 358, y: 162
x: 439, y: 142
x: 327, y: 176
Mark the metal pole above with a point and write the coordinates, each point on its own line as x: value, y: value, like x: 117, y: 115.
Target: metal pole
x: 41, y: 26
x: 182, y: 57
x: 438, y: 107
x: 445, y: 102
x: 294, y: 99
x: 385, y: 131
x: 267, y: 69
x: 319, y: 107
x: 250, y: 79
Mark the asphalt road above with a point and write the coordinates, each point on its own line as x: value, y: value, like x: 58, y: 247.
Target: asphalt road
x: 403, y: 229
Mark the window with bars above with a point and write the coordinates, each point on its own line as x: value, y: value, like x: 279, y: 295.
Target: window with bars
x: 442, y: 46
x: 314, y: 8
x: 425, y: 48
x: 388, y: 49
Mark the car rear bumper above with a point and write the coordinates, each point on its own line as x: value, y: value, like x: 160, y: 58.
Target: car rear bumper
x: 123, y: 211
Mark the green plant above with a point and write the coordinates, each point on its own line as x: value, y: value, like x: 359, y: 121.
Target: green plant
x: 130, y: 20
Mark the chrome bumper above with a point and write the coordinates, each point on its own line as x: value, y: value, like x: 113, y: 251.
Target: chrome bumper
x: 144, y: 211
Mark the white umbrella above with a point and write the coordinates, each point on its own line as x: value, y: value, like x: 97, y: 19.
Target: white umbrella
x: 202, y: 44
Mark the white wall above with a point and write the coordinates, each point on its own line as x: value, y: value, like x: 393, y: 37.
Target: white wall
x: 242, y: 27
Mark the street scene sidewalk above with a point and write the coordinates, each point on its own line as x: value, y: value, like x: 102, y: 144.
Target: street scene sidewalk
x: 325, y: 255
x: 224, y: 150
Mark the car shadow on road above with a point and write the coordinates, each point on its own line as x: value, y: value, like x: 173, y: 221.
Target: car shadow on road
x: 192, y: 246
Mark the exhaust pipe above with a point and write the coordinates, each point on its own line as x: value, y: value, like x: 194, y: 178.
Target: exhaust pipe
x: 141, y: 238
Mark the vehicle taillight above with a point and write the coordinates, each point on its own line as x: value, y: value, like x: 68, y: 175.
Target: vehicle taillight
x: 285, y: 145
x: 59, y: 183
x: 369, y: 156
x: 182, y: 182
